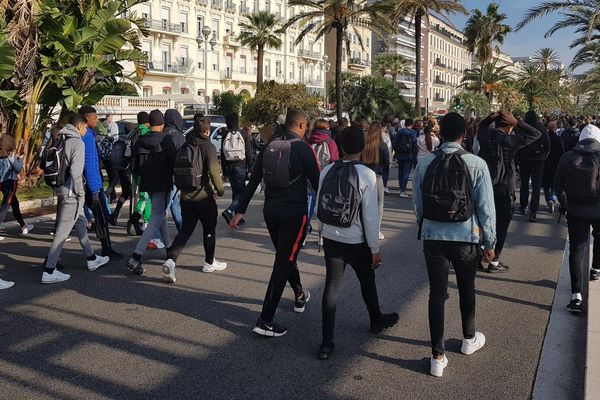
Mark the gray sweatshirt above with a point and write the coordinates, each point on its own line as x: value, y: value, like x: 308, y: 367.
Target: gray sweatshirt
x: 356, y: 234
x: 75, y: 157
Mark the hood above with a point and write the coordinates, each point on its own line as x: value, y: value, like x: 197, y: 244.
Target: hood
x: 587, y: 146
x: 174, y: 120
x: 197, y: 140
x: 319, y: 136
x: 590, y: 132
x: 70, y: 131
x: 151, y: 141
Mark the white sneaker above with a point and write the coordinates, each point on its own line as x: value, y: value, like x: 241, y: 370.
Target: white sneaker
x: 55, y: 277
x: 381, y: 236
x: 386, y: 190
x: 6, y: 284
x: 470, y: 346
x: 437, y: 366
x: 1, y: 238
x: 26, y: 229
x: 403, y: 195
x: 159, y: 244
x: 68, y: 239
x: 97, y: 262
x: 169, y: 270
x: 215, y: 266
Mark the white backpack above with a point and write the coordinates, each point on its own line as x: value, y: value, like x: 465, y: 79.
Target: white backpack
x: 234, y: 147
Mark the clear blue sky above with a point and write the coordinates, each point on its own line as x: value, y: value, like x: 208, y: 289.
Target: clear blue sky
x: 528, y: 40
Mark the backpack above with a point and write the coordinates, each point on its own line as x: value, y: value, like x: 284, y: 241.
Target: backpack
x: 583, y: 178
x: 119, y: 159
x: 234, y: 147
x: 322, y: 152
x: 106, y: 146
x: 54, y: 162
x: 570, y: 137
x: 188, y: 168
x: 493, y: 155
x: 276, y: 163
x: 339, y: 195
x: 447, y: 188
x: 403, y: 144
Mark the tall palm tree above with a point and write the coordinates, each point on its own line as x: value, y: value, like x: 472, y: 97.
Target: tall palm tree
x: 470, y: 103
x: 342, y: 17
x: 391, y: 63
x: 487, y: 79
x: 485, y: 33
x: 547, y: 58
x: 416, y: 11
x: 261, y: 31
x: 533, y: 85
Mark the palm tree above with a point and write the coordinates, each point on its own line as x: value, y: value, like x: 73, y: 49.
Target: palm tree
x: 259, y: 33
x: 393, y: 64
x: 485, y: 33
x: 532, y: 84
x: 416, y: 11
x: 468, y: 103
x: 341, y: 17
x: 547, y: 57
x: 487, y: 79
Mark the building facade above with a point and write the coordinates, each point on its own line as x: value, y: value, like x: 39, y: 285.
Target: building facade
x: 358, y: 59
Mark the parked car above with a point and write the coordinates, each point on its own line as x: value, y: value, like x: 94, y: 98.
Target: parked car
x: 188, y: 120
x: 215, y: 136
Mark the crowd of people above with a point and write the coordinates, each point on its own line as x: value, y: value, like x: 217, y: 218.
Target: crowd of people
x: 463, y: 172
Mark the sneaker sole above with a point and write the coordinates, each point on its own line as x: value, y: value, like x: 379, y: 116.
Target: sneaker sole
x: 469, y: 352
x: 98, y: 266
x: 299, y: 310
x: 212, y: 269
x: 574, y: 310
x: 264, y: 332
x: 54, y: 281
x: 167, y: 274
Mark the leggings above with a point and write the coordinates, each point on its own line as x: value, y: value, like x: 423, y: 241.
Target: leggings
x: 9, y: 191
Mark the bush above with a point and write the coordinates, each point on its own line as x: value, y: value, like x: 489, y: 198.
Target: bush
x: 227, y: 103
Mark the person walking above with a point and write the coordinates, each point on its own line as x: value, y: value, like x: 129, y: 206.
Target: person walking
x: 95, y: 198
x: 287, y: 164
x: 405, y: 146
x: 153, y: 158
x: 353, y: 240
x: 71, y: 197
x: 452, y: 235
x: 10, y: 167
x: 198, y: 202
x: 427, y: 143
x: 236, y: 154
x: 576, y: 184
x: 387, y: 139
x: 556, y: 152
x: 497, y: 147
x: 174, y: 128
x: 376, y: 156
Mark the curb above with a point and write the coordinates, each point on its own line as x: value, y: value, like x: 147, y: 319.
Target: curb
x: 592, y: 359
x: 32, y: 205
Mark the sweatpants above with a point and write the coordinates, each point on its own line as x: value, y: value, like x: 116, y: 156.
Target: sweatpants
x: 204, y: 211
x: 69, y: 215
x: 158, y: 221
x: 9, y: 199
x: 287, y: 235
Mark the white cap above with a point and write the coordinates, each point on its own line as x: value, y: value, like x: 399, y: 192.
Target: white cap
x: 281, y: 119
x: 590, y: 132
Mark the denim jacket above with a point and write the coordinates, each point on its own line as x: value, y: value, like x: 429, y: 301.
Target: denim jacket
x: 481, y: 228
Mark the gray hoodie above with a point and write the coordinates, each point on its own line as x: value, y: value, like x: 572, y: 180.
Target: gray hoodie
x: 75, y: 156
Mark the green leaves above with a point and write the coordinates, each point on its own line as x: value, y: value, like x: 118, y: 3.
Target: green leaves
x: 71, y: 99
x: 7, y: 60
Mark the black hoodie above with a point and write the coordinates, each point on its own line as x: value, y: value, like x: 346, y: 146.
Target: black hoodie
x: 174, y: 127
x: 154, y: 156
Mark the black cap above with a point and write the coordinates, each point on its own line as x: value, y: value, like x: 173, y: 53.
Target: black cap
x: 156, y: 118
x: 143, y: 118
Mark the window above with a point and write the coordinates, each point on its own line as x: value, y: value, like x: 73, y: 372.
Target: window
x: 278, y: 69
x: 166, y: 90
x: 368, y: 42
x: 215, y: 27
x: 146, y: 15
x: 292, y: 39
x: 200, y: 23
x: 147, y: 91
x: 215, y: 61
x: 255, y: 5
x: 268, y: 68
x: 229, y: 29
x: 146, y: 45
x: 243, y: 64
x: 183, y: 55
x: 165, y: 16
x: 185, y: 90
x: 268, y: 5
x: 292, y: 71
x: 183, y: 21
x: 279, y: 10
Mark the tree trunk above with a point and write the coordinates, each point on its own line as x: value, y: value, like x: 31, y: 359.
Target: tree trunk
x: 418, y: 19
x: 395, y: 78
x: 259, y: 66
x: 338, y: 71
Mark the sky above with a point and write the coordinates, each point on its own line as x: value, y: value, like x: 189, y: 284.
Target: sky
x: 531, y: 38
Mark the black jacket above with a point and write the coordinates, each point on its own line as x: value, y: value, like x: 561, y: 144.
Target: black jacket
x: 154, y: 155
x: 211, y: 176
x: 556, y: 152
x: 384, y: 160
x: 174, y: 127
x: 291, y: 201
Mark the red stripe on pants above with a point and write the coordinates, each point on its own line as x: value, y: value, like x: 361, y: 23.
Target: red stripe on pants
x: 296, y: 247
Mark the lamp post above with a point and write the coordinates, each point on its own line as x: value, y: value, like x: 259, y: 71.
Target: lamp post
x: 203, y: 38
x: 325, y: 66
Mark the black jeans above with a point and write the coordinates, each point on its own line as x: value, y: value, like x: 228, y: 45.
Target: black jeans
x: 9, y: 199
x: 287, y: 235
x: 533, y: 169
x: 337, y: 256
x: 503, y: 201
x: 579, y: 230
x: 101, y: 214
x: 112, y: 180
x: 464, y: 258
x: 204, y: 211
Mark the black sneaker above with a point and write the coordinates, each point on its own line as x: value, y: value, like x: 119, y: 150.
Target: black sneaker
x: 532, y: 218
x: 227, y: 215
x: 113, y: 219
x: 575, y: 306
x: 594, y: 274
x: 522, y: 210
x: 325, y: 351
x: 497, y: 269
x: 300, y: 303
x: 112, y: 254
x: 269, y: 329
x: 135, y: 266
x: 387, y: 321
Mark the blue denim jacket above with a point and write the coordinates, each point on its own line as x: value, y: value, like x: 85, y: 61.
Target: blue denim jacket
x: 481, y: 228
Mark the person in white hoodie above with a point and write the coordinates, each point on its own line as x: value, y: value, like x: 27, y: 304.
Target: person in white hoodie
x: 427, y: 143
x: 357, y: 244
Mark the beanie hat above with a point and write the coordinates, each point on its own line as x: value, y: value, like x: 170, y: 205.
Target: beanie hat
x: 143, y: 118
x: 353, y: 140
x: 156, y: 118
x: 590, y: 132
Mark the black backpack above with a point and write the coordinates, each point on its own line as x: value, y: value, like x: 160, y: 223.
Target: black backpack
x: 118, y: 156
x: 403, y: 144
x: 583, y: 178
x: 276, y: 163
x: 54, y: 162
x: 492, y: 153
x: 188, y: 168
x: 447, y: 188
x: 569, y: 137
x: 339, y: 195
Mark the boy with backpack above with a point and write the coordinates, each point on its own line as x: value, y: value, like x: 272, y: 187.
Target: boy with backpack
x: 287, y: 164
x: 454, y: 204
x: 405, y: 148
x: 577, y: 184
x: 347, y: 207
x: 120, y: 162
x: 63, y: 161
x: 196, y: 172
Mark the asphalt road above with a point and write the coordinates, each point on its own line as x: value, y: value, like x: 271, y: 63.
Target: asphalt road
x: 109, y: 334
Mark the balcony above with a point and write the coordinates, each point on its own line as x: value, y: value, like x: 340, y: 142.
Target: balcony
x: 439, y: 81
x: 244, y: 10
x: 217, y: 5
x: 202, y: 2
x: 230, y: 7
x: 162, y: 26
x: 439, y: 99
x: 227, y: 73
x: 357, y: 62
x: 159, y: 68
x: 231, y: 41
x: 309, y: 54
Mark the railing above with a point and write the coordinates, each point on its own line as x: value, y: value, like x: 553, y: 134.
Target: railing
x: 439, y: 99
x: 359, y: 62
x: 202, y: 2
x: 230, y: 7
x: 171, y: 68
x: 134, y: 102
x: 231, y: 40
x: 308, y: 53
x: 439, y: 81
x: 244, y: 10
x: 162, y: 26
x: 226, y: 74
x: 440, y: 64
x: 217, y: 4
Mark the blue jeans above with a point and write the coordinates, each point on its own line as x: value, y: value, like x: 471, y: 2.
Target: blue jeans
x: 237, y: 179
x: 404, y: 168
x: 312, y: 202
x: 550, y: 195
x: 175, y: 207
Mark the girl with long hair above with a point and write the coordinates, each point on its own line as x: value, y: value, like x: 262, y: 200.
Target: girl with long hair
x: 427, y: 143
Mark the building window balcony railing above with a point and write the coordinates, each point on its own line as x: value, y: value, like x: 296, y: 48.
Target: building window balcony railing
x: 358, y: 62
x: 163, y: 26
x: 309, y: 53
x: 231, y: 40
x: 439, y: 81
x: 230, y: 7
x: 439, y: 99
x: 175, y: 68
x: 227, y: 74
x: 202, y: 2
x: 244, y: 10
x: 217, y: 4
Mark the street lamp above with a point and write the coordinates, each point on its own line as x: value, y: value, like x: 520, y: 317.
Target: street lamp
x: 206, y: 31
x: 325, y: 66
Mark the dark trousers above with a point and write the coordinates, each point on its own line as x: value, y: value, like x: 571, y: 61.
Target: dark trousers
x: 503, y: 202
x: 287, y: 235
x: 337, y: 256
x: 404, y: 168
x: 237, y: 179
x: 533, y: 169
x: 464, y: 258
x: 579, y: 230
x: 9, y: 199
x: 112, y: 179
x: 126, y: 189
x: 204, y: 211
x: 386, y: 175
x: 101, y: 214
